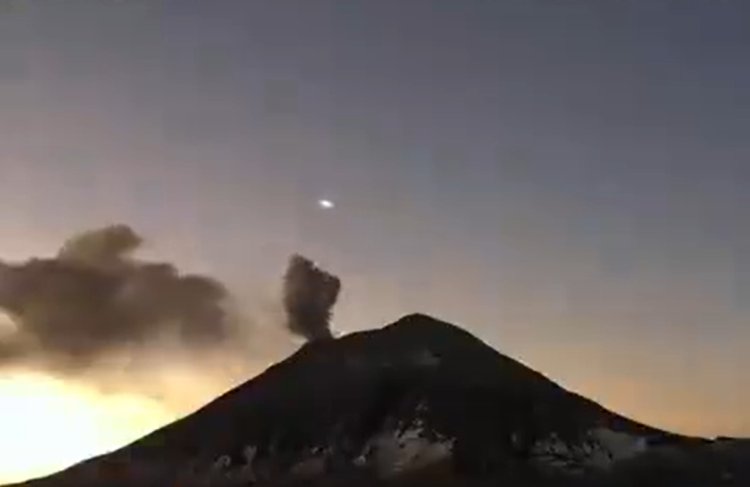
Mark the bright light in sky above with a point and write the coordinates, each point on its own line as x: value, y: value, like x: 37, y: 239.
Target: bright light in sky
x: 326, y: 204
x: 48, y: 424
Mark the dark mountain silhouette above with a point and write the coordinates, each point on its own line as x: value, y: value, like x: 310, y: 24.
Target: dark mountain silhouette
x: 419, y: 402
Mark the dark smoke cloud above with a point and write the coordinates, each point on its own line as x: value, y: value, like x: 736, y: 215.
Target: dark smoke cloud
x: 93, y: 298
x: 309, y: 296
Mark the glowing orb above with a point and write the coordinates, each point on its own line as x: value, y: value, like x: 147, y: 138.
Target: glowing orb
x: 326, y: 204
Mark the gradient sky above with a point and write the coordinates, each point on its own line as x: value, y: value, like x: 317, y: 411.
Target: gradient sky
x: 567, y: 180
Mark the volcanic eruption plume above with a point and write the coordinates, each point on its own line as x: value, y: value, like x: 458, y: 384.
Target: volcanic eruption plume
x: 309, y: 296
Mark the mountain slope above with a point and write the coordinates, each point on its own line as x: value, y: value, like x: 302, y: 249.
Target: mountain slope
x: 411, y: 403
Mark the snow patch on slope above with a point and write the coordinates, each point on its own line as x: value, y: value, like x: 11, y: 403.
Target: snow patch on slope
x: 311, y: 465
x: 598, y: 449
x: 412, y: 447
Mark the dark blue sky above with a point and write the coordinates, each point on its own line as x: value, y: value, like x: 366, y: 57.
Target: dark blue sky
x: 565, y: 179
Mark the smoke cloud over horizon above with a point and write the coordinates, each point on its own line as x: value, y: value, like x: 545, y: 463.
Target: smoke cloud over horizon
x: 93, y: 298
x: 96, y: 315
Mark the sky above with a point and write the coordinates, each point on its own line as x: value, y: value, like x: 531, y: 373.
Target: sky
x: 567, y: 180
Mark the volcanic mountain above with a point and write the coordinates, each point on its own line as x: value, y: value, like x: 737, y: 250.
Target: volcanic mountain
x: 417, y: 403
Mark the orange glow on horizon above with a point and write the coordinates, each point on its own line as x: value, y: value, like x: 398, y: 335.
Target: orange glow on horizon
x: 48, y: 424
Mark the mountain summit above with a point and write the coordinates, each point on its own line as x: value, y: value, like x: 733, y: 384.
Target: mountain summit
x: 418, y: 402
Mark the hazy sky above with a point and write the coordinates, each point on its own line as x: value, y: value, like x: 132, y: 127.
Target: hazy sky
x: 566, y: 179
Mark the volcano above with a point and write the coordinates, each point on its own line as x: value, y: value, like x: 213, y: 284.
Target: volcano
x: 419, y: 402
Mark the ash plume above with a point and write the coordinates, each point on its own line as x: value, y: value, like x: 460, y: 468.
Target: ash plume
x: 93, y: 298
x: 309, y: 296
x: 95, y: 315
